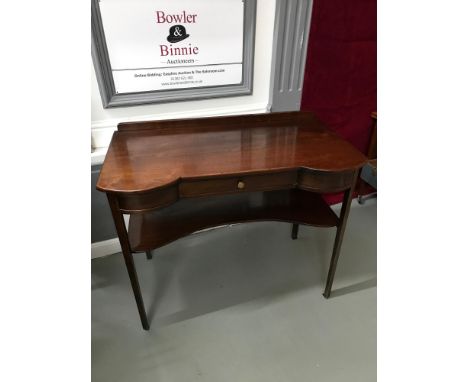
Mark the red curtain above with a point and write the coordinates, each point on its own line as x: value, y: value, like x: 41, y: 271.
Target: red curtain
x: 340, y: 81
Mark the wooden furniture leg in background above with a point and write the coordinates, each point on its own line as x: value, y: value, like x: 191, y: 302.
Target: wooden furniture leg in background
x: 368, y: 174
x: 295, y: 228
x: 149, y: 256
x: 345, y: 207
x: 128, y: 257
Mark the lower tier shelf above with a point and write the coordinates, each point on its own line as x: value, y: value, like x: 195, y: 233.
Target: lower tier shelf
x: 156, y: 228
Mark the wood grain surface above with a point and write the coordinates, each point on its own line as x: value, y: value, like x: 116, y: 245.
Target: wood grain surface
x: 145, y: 156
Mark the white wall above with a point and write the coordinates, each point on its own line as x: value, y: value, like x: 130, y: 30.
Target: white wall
x: 104, y: 121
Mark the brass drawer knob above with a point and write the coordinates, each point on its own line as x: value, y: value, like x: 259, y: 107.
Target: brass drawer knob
x: 240, y: 184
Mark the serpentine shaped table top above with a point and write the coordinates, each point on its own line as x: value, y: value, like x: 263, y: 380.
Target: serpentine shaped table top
x: 144, y: 156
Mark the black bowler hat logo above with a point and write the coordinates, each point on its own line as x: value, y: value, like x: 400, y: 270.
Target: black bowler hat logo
x: 177, y: 33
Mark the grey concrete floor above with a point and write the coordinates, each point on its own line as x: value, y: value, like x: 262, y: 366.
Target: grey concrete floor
x: 242, y: 303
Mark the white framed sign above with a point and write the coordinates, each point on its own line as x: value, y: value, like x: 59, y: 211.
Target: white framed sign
x: 148, y: 51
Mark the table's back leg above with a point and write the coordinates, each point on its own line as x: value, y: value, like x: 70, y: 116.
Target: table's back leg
x: 128, y: 257
x: 149, y: 256
x: 345, y: 207
x: 295, y: 229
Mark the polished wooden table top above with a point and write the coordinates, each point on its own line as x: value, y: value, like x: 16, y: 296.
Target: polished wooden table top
x: 145, y: 156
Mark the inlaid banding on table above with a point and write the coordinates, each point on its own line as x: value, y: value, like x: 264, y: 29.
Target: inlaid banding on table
x: 303, y: 179
x: 144, y: 201
x: 322, y: 181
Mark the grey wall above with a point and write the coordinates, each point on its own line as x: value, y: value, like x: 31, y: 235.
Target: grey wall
x: 292, y: 24
x: 102, y: 225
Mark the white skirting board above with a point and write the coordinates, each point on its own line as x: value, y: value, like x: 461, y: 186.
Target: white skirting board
x: 108, y: 247
x: 105, y: 248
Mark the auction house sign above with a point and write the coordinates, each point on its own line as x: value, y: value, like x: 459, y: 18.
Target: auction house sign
x: 148, y: 51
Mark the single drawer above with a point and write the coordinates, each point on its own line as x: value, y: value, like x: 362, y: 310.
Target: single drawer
x: 247, y: 183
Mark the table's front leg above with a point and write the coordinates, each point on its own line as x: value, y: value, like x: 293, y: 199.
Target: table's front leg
x: 128, y: 256
x: 340, y: 229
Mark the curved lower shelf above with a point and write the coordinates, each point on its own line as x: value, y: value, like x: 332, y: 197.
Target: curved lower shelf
x: 154, y: 229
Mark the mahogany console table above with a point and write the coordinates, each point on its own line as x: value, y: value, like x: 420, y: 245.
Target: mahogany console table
x: 179, y: 176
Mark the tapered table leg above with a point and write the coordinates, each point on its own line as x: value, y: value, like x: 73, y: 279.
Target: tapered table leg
x: 345, y: 207
x: 128, y: 257
x: 295, y: 229
x: 136, y: 289
x: 149, y: 256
